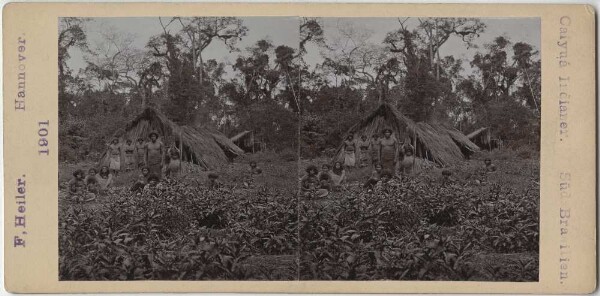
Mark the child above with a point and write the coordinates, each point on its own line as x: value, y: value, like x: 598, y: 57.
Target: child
x: 254, y: 169
x: 91, y: 182
x: 489, y: 167
x: 385, y: 178
x: 173, y: 167
x: 142, y: 180
x: 325, y: 182
x: 310, y: 182
x: 213, y: 182
x: 153, y: 182
x: 446, y: 179
x: 374, y: 178
x: 77, y: 188
x: 77, y: 185
x: 406, y: 165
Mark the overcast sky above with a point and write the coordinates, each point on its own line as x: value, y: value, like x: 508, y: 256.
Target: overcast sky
x: 284, y: 31
x: 280, y: 30
x: 516, y: 29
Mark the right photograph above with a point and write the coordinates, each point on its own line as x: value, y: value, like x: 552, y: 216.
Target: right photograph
x: 420, y: 149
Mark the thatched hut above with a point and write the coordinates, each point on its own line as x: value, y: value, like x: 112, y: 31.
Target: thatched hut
x: 204, y: 146
x: 435, y: 142
x: 483, y: 138
x: 248, y: 141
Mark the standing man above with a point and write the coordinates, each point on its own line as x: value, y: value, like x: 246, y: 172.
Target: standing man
x: 388, y: 151
x: 155, y: 154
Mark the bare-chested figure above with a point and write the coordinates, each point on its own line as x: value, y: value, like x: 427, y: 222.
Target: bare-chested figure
x: 154, y: 154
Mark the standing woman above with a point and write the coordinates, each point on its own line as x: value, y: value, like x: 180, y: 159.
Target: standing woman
x: 154, y: 154
x: 363, y: 148
x: 140, y: 153
x: 114, y: 154
x: 375, y: 147
x: 349, y: 152
x: 129, y: 149
x: 388, y: 151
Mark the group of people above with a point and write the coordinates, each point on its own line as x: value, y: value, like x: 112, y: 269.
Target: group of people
x: 150, y: 157
x: 386, y: 151
x: 319, y: 183
x: 386, y: 154
x: 151, y: 154
x: 86, y: 188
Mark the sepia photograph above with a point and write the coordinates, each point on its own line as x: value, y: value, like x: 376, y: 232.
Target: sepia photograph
x: 285, y: 148
x: 178, y: 146
x: 420, y: 144
x: 299, y: 148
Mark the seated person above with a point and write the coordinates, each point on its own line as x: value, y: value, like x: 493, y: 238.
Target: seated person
x: 447, y: 177
x: 325, y: 170
x: 254, y: 169
x: 77, y: 184
x: 325, y: 182
x: 105, y: 179
x: 141, y: 181
x: 311, y: 187
x: 338, y: 175
x: 489, y: 166
x: 374, y: 178
x: 213, y: 182
x: 77, y: 188
x: 91, y: 182
x: 387, y: 177
x: 153, y: 182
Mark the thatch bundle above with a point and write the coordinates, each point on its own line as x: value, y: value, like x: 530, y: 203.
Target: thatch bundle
x: 434, y: 142
x: 204, y: 146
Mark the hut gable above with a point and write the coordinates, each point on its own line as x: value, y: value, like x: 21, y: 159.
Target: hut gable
x: 204, y: 146
x: 248, y: 141
x: 434, y: 142
x: 482, y: 137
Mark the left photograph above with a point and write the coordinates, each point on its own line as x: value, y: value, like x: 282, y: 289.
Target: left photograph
x: 178, y: 144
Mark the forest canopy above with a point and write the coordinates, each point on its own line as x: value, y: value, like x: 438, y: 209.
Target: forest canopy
x: 306, y: 93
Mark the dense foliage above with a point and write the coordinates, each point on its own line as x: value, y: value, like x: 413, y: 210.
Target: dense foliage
x: 418, y: 229
x: 179, y: 231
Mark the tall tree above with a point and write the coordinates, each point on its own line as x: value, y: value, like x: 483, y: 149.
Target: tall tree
x: 200, y: 32
x: 71, y: 34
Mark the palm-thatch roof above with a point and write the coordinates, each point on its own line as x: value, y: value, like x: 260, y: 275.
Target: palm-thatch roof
x: 202, y: 145
x: 482, y: 137
x: 434, y: 142
x: 239, y: 136
x: 463, y: 142
x: 477, y: 132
